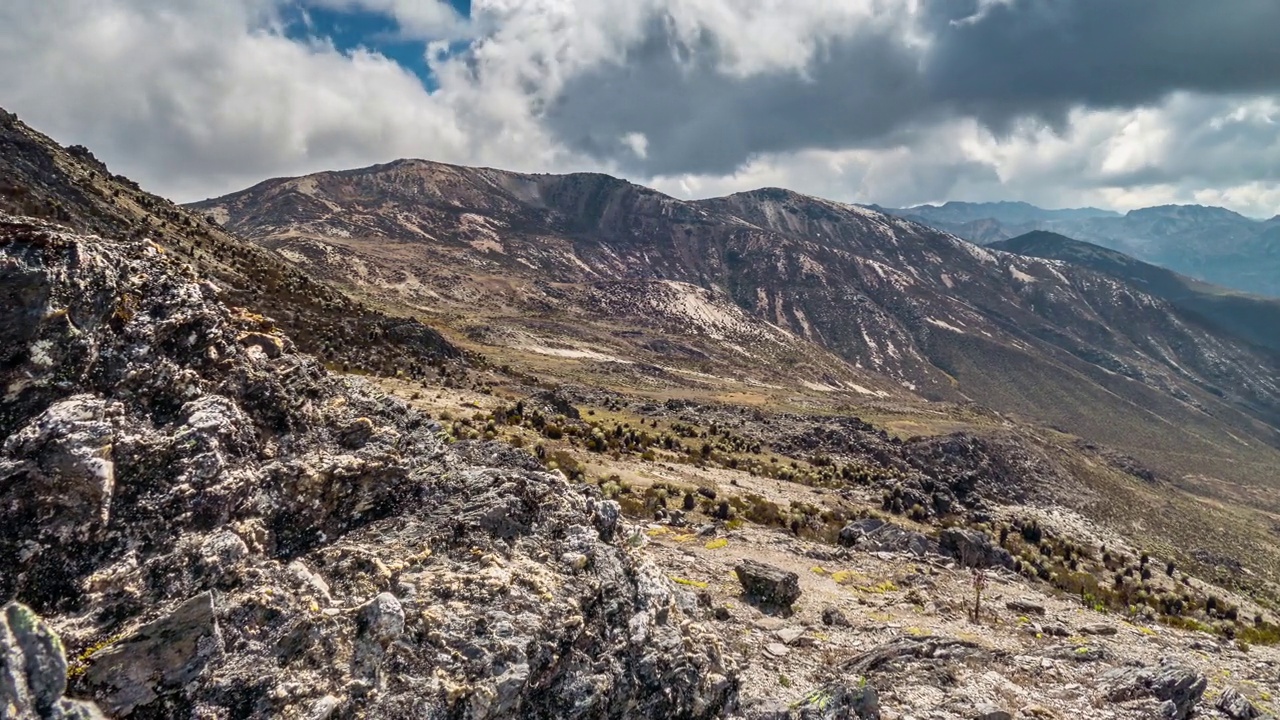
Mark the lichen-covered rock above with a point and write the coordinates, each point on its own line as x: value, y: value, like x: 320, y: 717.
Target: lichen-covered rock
x: 878, y: 535
x: 33, y: 671
x: 224, y: 529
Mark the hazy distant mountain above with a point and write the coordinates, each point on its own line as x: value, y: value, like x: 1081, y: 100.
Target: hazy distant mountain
x: 1208, y: 243
x: 1251, y: 317
x: 1004, y: 212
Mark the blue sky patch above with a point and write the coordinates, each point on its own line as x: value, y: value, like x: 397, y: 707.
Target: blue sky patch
x: 352, y: 30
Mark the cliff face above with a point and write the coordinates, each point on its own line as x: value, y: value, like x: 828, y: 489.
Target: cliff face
x: 243, y: 534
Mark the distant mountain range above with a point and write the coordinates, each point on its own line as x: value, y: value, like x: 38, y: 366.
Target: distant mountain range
x: 1207, y: 243
x: 775, y: 287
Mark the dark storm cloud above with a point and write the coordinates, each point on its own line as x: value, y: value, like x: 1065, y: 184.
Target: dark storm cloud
x: 697, y: 119
x: 997, y: 63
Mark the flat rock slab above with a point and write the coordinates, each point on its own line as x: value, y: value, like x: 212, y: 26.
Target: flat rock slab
x: 160, y: 657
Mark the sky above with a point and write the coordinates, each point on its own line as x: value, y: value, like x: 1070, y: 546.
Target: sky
x: 1062, y: 103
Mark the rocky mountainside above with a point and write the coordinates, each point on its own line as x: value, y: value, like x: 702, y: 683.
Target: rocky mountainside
x: 1253, y: 318
x: 70, y: 186
x: 213, y: 525
x: 779, y: 287
x: 201, y: 520
x: 231, y: 531
x: 1211, y: 244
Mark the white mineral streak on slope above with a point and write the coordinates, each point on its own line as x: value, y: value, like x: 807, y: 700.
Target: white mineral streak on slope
x: 944, y: 325
x: 805, y: 327
x: 982, y: 254
x: 220, y: 214
x: 897, y: 278
x: 1021, y: 276
x: 716, y: 320
x: 573, y: 353
x: 873, y: 350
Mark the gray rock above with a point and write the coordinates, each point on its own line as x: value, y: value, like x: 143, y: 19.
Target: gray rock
x: 1178, y: 687
x: 790, y: 635
x: 1025, y: 607
x: 834, y: 617
x: 1098, y: 629
x: 767, y: 585
x: 229, y: 470
x: 324, y: 708
x: 33, y: 670
x: 876, y: 535
x: 838, y: 701
x: 973, y: 549
x: 382, y: 619
x: 991, y: 712
x: 1236, y: 706
x: 161, y: 657
x: 777, y: 650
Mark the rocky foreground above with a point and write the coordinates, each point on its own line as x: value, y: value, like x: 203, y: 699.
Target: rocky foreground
x: 200, y: 521
x: 227, y: 530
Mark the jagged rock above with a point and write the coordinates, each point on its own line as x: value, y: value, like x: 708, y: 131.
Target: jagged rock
x: 877, y: 535
x: 991, y: 712
x: 382, y: 619
x: 1179, y: 688
x: 33, y: 671
x: 161, y: 657
x: 973, y: 548
x: 838, y: 701
x: 1098, y: 629
x: 767, y: 585
x: 1236, y: 706
x: 231, y: 473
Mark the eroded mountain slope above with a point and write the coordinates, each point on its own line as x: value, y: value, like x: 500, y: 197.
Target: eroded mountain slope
x: 906, y: 309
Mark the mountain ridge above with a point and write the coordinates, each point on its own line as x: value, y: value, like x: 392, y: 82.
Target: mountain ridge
x: 1208, y: 243
x: 926, y: 311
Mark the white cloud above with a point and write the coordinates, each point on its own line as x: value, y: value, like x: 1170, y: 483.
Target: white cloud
x: 422, y: 19
x: 197, y: 98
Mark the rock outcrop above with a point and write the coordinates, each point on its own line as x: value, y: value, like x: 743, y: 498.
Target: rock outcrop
x: 222, y: 528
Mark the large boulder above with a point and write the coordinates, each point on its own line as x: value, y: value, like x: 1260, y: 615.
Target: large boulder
x: 876, y: 535
x: 768, y: 586
x: 161, y: 657
x: 972, y: 548
x: 1177, y: 687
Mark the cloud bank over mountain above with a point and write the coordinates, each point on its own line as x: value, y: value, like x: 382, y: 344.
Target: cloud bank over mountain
x: 1115, y: 103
